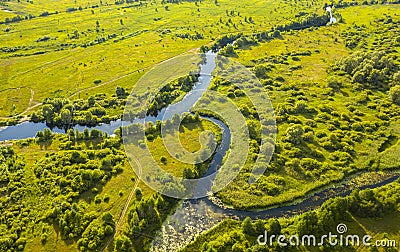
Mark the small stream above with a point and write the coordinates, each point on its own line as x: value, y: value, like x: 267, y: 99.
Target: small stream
x: 332, y: 19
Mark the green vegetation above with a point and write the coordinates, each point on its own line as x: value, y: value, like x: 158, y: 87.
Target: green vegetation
x: 335, y: 90
x: 171, y: 93
x: 74, y: 181
x: 97, y: 109
x: 97, y: 46
x: 336, y: 109
x: 378, y: 207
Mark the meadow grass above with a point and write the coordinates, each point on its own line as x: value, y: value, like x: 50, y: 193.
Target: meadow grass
x: 62, y: 73
x: 309, y: 74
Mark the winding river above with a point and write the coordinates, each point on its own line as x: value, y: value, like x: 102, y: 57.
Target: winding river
x: 195, y: 216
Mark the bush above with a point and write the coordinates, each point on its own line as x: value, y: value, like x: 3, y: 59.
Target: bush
x: 394, y: 94
x: 308, y: 137
x: 294, y: 134
x: 97, y: 199
x: 310, y: 164
x: 106, y: 198
x: 138, y: 193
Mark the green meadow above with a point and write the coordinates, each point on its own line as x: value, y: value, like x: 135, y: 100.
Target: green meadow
x: 61, y: 55
x: 299, y: 70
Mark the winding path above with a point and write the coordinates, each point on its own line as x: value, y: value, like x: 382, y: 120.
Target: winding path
x: 126, y: 207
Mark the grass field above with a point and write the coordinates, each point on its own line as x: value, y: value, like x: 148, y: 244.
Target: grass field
x: 71, y: 63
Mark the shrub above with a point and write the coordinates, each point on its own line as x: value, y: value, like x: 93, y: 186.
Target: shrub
x: 394, y: 94
x: 308, y: 137
x: 138, y: 193
x: 334, y: 83
x: 97, y: 199
x: 294, y: 134
x: 310, y: 164
x: 106, y: 198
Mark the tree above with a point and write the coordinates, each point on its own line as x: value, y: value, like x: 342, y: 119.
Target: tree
x: 91, y: 101
x: 228, y: 51
x: 188, y: 173
x: 123, y: 244
x: 47, y: 134
x: 247, y: 226
x: 260, y: 71
x: 71, y: 134
x: 138, y: 193
x: 66, y: 116
x: 89, y: 118
x: 108, y: 219
x: 275, y: 227
x: 35, y: 118
x: 120, y: 91
x: 259, y: 226
x: 394, y: 94
x: 48, y: 113
x: 334, y: 83
x: 308, y: 224
x: 176, y: 119
x: 276, y: 34
x: 204, y: 49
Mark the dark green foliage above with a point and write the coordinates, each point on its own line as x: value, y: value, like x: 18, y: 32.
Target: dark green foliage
x: 395, y: 94
x: 294, y: 134
x: 96, y: 233
x: 247, y: 226
x: 145, y: 218
x: 224, y: 41
x: 373, y: 69
x: 123, y: 244
x: 15, y: 211
x: 312, y: 20
x: 375, y: 203
x: 76, y: 172
x: 138, y: 193
x: 64, y: 113
x: 261, y: 71
x: 228, y: 51
x: 171, y: 92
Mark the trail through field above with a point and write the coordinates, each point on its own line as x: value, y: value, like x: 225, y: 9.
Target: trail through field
x: 126, y: 207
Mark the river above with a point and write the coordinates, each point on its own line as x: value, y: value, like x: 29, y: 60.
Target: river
x: 193, y: 217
